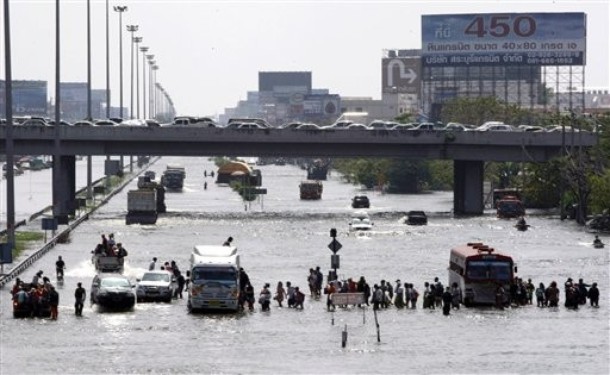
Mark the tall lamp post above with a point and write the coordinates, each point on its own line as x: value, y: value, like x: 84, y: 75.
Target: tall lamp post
x: 132, y: 29
x: 10, y: 182
x: 89, y: 115
x: 144, y: 50
x: 107, y: 61
x: 151, y: 63
x: 137, y: 40
x: 154, y: 101
x: 120, y: 10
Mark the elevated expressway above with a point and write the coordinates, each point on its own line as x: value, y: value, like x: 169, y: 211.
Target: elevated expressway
x: 469, y: 150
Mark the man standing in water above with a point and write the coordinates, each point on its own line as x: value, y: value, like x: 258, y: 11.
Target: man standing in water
x: 79, y: 299
x: 53, y: 302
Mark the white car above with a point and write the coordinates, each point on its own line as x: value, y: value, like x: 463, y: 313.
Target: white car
x: 155, y: 286
x: 495, y: 126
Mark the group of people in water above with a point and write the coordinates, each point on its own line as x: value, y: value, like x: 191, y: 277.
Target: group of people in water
x: 39, y: 298
x: 182, y: 280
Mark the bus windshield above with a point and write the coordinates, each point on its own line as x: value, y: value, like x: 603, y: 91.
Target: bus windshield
x: 214, y: 274
x: 488, y: 270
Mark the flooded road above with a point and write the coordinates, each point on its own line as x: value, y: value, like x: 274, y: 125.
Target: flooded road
x: 280, y: 238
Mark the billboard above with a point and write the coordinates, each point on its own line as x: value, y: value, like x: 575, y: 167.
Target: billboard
x: 29, y: 98
x: 496, y: 39
x: 401, y: 75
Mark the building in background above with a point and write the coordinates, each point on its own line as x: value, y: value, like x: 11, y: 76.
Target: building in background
x: 284, y: 97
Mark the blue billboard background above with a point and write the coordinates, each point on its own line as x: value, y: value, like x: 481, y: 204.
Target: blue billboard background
x: 29, y: 98
x: 504, y: 39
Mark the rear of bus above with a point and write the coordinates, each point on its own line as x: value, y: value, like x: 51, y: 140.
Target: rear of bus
x: 479, y: 271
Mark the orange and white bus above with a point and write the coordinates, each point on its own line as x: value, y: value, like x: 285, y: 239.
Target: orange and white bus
x: 479, y: 270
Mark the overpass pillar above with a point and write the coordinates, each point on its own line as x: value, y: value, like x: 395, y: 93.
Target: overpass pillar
x: 468, y: 187
x: 64, y: 187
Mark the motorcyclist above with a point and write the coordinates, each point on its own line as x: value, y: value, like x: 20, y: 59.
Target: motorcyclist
x: 60, y: 265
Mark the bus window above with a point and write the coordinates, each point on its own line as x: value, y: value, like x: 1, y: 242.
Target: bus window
x: 488, y: 270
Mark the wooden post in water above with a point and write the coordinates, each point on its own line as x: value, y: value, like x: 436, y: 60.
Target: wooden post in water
x: 344, y: 337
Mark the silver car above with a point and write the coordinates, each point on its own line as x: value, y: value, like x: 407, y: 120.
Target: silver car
x: 156, y: 286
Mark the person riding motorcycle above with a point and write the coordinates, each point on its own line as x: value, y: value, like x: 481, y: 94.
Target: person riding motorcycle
x: 60, y: 265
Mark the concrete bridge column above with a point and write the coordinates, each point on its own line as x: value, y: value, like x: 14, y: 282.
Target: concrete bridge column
x: 64, y: 187
x: 468, y: 187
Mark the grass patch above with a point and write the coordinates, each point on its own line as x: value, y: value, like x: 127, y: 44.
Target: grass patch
x: 21, y: 240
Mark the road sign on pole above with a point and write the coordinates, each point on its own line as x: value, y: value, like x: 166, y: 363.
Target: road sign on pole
x: 335, y: 246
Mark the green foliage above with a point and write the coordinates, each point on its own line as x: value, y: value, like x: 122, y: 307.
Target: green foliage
x: 476, y: 111
x: 404, y: 118
x: 441, y: 174
x: 600, y: 186
x: 21, y: 240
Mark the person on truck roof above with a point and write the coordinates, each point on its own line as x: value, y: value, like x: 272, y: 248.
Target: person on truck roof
x: 228, y: 242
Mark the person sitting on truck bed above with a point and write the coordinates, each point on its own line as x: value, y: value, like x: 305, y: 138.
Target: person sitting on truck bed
x: 121, y: 252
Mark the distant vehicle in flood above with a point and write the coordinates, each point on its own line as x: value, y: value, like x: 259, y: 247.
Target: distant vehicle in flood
x: 310, y: 190
x: 417, y: 218
x: 510, y: 207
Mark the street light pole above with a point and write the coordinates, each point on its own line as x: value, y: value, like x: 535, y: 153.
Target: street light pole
x: 89, y: 116
x: 58, y: 203
x: 154, y: 101
x: 151, y: 62
x: 120, y: 10
x: 132, y: 29
x: 8, y: 99
x: 137, y: 40
x: 107, y: 61
x: 144, y: 50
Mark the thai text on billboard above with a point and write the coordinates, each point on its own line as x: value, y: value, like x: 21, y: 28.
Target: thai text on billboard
x: 504, y: 39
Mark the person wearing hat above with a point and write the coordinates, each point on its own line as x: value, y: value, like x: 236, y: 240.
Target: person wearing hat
x: 80, y: 295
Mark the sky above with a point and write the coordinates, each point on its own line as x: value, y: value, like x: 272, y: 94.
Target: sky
x: 209, y: 53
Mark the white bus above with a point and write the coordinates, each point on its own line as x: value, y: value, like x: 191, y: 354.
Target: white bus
x: 479, y: 270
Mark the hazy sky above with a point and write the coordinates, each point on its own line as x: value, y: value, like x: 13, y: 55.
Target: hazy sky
x: 210, y: 52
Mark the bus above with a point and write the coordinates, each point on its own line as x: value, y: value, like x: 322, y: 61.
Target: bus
x: 479, y: 270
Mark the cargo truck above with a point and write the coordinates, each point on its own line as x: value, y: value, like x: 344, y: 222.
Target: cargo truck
x: 141, y: 206
x: 214, y: 278
x: 173, y: 177
x: 310, y: 189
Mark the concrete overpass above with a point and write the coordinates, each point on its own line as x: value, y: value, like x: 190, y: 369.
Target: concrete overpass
x: 469, y: 150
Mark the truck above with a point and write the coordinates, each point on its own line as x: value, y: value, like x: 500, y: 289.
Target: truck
x: 310, y: 189
x: 173, y: 177
x: 215, y: 272
x: 141, y: 206
x: 107, y: 263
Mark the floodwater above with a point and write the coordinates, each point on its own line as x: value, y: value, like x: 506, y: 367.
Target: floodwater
x: 280, y: 238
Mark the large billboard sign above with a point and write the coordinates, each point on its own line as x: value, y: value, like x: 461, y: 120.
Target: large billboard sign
x: 29, y: 98
x: 401, y: 75
x: 495, y: 39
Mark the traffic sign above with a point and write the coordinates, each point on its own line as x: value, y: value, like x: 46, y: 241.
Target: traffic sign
x: 335, y: 246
